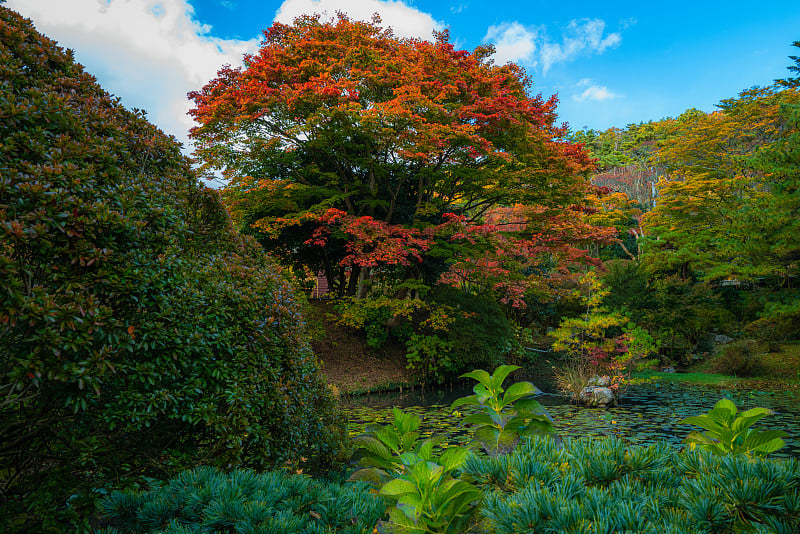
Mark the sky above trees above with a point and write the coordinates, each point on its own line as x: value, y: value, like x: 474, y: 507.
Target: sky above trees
x: 610, y: 63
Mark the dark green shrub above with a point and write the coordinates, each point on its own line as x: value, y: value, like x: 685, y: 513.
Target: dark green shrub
x: 207, y: 500
x: 138, y: 332
x: 740, y: 358
x: 606, y: 486
x: 480, y: 333
x: 628, y: 287
x: 779, y: 322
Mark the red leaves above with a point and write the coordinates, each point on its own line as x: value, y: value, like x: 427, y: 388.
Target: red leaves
x: 371, y: 242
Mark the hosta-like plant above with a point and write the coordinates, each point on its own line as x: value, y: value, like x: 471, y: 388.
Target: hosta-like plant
x: 507, y: 415
x: 382, y: 448
x: 429, y: 499
x: 424, y: 497
x: 727, y: 433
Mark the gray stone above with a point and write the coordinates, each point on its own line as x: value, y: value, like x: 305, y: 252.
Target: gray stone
x: 603, y: 381
x: 597, y: 396
x: 721, y: 339
x: 668, y: 370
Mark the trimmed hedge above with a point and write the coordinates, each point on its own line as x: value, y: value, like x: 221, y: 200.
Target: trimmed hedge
x: 138, y: 332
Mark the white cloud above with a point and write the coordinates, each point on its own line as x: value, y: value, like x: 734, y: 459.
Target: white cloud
x: 597, y: 93
x: 512, y: 42
x: 515, y: 42
x: 150, y: 53
x: 404, y: 20
x: 584, y: 36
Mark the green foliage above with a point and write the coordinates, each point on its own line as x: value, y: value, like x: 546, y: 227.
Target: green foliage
x: 599, y: 341
x: 383, y: 446
x: 139, y: 333
x: 445, y: 331
x: 431, y: 355
x: 508, y: 415
x: 374, y: 314
x: 207, y: 500
x: 739, y: 358
x: 429, y: 499
x: 600, y: 486
x: 628, y: 286
x: 419, y: 484
x: 479, y: 332
x: 727, y: 433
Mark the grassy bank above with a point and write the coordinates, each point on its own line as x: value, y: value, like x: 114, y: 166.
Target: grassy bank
x: 778, y: 368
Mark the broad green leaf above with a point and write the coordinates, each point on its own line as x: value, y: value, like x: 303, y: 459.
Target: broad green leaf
x: 480, y: 375
x: 487, y: 436
x: 765, y: 442
x: 743, y: 422
x: 409, y: 458
x: 388, y: 436
x: 500, y: 375
x: 481, y: 418
x: 507, y: 440
x: 471, y: 400
x: 519, y: 390
x: 726, y: 404
x: 528, y: 407
x: 453, y: 457
x: 372, y: 475
x: 757, y: 411
x: 398, y: 486
x: 426, y: 450
x: 703, y: 421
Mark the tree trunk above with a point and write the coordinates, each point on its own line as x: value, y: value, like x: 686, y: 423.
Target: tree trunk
x: 352, y: 283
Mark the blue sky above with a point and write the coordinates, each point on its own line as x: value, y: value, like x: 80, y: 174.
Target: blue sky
x: 611, y: 63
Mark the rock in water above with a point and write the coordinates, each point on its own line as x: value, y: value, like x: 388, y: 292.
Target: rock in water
x: 597, y: 396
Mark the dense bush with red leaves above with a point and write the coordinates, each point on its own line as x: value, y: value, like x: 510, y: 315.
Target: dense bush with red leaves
x: 138, y: 332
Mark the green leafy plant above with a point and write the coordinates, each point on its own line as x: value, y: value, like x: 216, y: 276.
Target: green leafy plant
x: 429, y: 355
x: 382, y: 448
x: 429, y: 499
x: 727, y: 433
x: 139, y: 333
x: 418, y: 483
x: 507, y: 415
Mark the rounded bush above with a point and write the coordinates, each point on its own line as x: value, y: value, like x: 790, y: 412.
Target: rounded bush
x: 138, y: 332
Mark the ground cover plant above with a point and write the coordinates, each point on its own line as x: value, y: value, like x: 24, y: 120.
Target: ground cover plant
x: 540, y: 485
x: 208, y: 500
x: 139, y: 334
x: 599, y: 486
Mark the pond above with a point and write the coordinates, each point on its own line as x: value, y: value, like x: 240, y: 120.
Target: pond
x: 647, y: 413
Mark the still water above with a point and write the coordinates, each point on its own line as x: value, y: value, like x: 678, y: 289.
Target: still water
x: 647, y: 413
